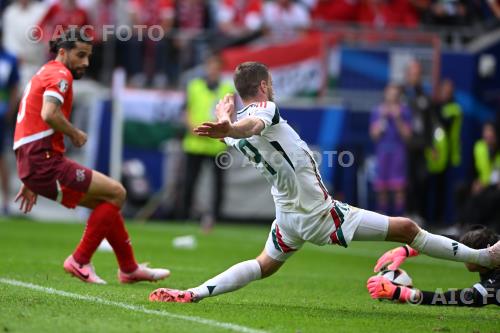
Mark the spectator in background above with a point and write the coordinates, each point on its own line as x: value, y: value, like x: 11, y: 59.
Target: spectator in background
x: 494, y: 6
x: 239, y: 21
x: 387, y: 13
x: 61, y: 15
x: 450, y: 115
x: 487, y: 159
x: 285, y: 20
x: 4, y: 4
x: 9, y: 79
x: 327, y: 11
x: 449, y: 12
x: 193, y: 24
x: 201, y: 97
x: 421, y: 7
x: 420, y: 106
x: 308, y: 4
x: 18, y: 17
x: 102, y: 13
x: 447, y: 153
x: 390, y: 128
x: 147, y: 60
x: 483, y: 205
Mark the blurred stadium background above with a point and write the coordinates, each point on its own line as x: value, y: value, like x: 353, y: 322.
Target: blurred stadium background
x: 331, y: 61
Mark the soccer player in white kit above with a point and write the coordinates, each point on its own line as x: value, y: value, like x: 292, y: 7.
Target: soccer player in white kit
x: 305, y: 212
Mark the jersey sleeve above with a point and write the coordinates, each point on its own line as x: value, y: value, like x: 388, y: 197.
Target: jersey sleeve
x: 230, y: 141
x: 59, y: 82
x: 268, y: 112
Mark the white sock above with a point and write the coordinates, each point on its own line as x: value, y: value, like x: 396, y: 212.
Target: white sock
x: 446, y: 248
x: 233, y: 278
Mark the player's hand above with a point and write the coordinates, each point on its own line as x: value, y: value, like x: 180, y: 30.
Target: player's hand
x: 28, y: 199
x: 79, y: 138
x: 217, y: 130
x: 224, y: 110
x: 380, y: 287
x: 394, y: 258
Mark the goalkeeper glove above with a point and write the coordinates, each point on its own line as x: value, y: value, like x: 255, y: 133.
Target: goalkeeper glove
x: 394, y: 258
x: 380, y: 287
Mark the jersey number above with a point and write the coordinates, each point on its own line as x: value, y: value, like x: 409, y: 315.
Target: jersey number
x: 253, y: 154
x: 22, y: 111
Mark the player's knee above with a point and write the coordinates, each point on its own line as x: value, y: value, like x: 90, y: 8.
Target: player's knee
x: 409, y: 229
x: 118, y: 194
x: 268, y: 266
x: 267, y: 270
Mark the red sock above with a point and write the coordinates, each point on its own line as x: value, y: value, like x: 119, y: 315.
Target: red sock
x: 119, y: 240
x: 95, y: 231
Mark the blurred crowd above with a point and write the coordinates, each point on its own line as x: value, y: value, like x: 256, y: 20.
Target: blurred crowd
x: 191, y: 28
x: 418, y: 150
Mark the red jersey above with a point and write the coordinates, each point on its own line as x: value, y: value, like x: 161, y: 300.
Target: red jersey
x: 55, y: 80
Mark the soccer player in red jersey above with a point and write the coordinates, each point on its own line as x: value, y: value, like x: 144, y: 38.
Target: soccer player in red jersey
x: 42, y: 122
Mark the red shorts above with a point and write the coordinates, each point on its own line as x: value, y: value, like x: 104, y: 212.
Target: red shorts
x: 53, y: 176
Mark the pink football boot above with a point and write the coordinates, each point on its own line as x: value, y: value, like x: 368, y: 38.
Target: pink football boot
x: 86, y: 273
x: 143, y: 273
x: 172, y: 295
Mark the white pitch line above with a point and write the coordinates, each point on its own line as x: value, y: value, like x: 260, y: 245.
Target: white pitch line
x: 135, y: 308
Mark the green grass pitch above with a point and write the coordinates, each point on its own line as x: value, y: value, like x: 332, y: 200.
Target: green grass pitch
x: 320, y: 289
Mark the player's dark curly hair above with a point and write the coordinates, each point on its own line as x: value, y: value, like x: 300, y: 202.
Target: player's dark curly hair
x: 479, y: 237
x: 68, y: 39
x: 248, y: 76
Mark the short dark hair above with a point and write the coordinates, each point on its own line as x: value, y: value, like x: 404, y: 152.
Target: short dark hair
x: 68, y: 39
x: 248, y: 76
x: 479, y: 237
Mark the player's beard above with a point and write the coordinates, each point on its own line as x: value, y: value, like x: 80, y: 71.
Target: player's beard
x: 78, y: 73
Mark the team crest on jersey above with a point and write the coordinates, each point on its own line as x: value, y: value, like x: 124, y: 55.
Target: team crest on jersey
x: 63, y: 86
x: 80, y: 175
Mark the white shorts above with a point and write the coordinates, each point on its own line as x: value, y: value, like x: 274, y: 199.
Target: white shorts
x: 339, y: 224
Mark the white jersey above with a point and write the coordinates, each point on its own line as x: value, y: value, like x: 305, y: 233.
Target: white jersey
x: 285, y: 161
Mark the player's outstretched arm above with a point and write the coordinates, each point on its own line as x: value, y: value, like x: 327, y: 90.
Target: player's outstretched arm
x: 392, y: 259
x: 53, y: 116
x: 244, y: 128
x: 227, y: 126
x: 381, y: 288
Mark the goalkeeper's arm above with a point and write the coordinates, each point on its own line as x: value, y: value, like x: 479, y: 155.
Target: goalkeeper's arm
x: 476, y: 296
x: 381, y: 288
